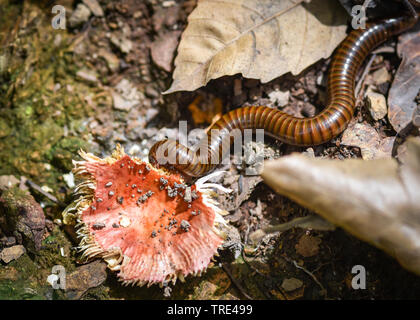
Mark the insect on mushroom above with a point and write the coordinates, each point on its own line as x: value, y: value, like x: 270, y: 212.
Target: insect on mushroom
x: 155, y: 237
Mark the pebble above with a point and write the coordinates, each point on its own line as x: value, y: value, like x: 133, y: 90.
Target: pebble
x: 79, y: 16
x: 371, y: 145
x: 85, y: 277
x: 124, y: 221
x: 377, y: 105
x: 381, y: 75
x: 125, y: 45
x: 95, y: 7
x: 291, y: 284
x: 87, y: 75
x: 111, y: 59
x: 125, y: 96
x: 6, y: 182
x: 12, y: 253
x: 281, y: 98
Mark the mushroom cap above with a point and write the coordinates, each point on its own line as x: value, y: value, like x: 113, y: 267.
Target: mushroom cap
x: 146, y: 223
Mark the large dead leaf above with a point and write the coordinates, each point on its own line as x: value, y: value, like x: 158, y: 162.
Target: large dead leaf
x: 406, y: 84
x: 376, y: 200
x: 262, y: 39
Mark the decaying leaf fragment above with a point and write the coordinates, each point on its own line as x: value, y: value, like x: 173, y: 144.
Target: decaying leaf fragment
x: 377, y: 201
x: 262, y: 39
x: 406, y: 84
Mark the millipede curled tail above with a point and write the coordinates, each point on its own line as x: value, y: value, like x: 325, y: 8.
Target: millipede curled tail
x: 316, y: 130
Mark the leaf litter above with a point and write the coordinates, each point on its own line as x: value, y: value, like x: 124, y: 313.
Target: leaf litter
x: 254, y: 205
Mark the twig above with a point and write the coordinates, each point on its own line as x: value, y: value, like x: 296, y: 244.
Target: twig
x: 236, y: 282
x: 247, y: 232
x: 82, y: 35
x: 259, y: 273
x: 363, y: 78
x: 36, y: 187
x: 324, y: 292
x: 284, y: 295
x: 250, y: 266
x: 386, y: 49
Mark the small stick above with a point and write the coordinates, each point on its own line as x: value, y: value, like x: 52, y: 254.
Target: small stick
x: 386, y: 49
x: 363, y: 77
x: 307, y: 272
x: 36, y: 187
x: 258, y: 272
x: 235, y: 282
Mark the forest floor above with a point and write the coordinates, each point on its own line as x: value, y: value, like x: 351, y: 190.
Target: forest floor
x: 99, y: 83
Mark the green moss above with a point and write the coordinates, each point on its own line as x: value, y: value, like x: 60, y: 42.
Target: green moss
x: 50, y: 254
x: 5, y: 129
x: 17, y: 290
x: 99, y: 293
x: 26, y: 286
x: 26, y: 277
x: 25, y: 267
x: 12, y: 200
x: 62, y: 153
x: 9, y: 10
x: 39, y: 97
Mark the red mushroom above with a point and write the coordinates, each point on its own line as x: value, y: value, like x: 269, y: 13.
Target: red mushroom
x: 146, y: 223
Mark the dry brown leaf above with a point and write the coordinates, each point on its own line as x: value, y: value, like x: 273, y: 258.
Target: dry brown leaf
x: 377, y: 200
x: 308, y: 246
x: 262, y: 39
x: 406, y: 84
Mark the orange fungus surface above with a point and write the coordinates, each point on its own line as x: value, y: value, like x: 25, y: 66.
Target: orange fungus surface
x: 162, y: 228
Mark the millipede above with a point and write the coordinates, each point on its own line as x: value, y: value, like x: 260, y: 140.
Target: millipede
x: 309, y: 131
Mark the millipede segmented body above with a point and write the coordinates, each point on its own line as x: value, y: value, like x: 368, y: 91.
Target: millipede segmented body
x: 310, y: 131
